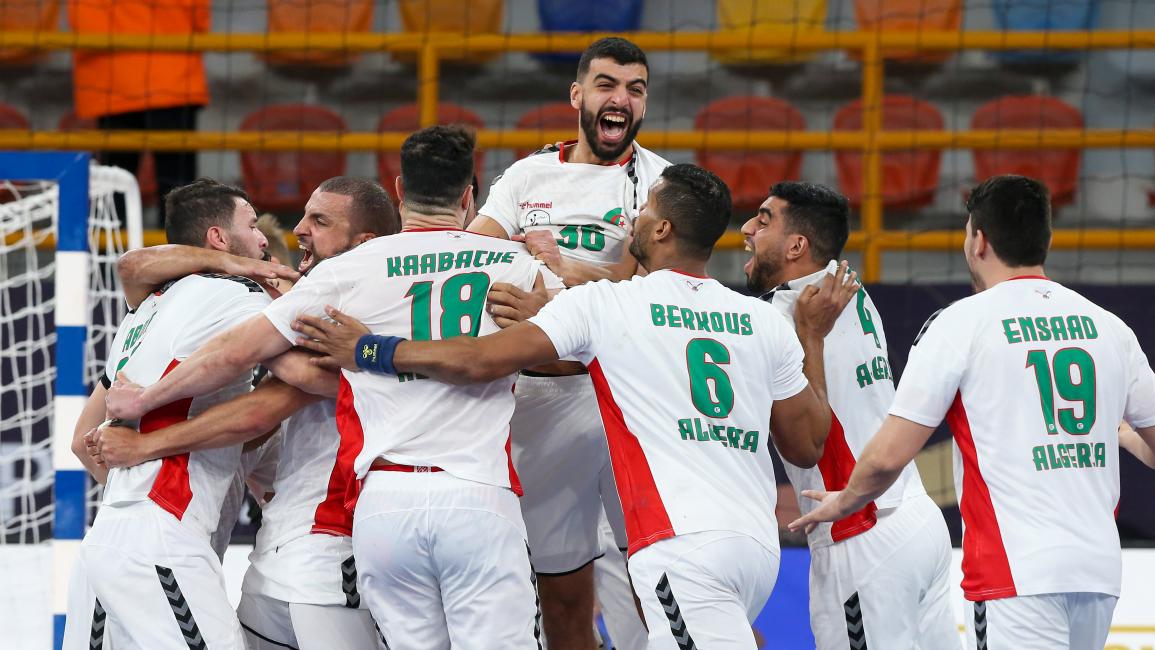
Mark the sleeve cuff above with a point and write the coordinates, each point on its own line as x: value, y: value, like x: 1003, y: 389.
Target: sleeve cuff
x: 917, y: 418
x: 105, y: 381
x: 793, y: 389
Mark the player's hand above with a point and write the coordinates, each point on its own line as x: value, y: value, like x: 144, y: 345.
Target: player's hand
x: 818, y: 307
x: 335, y: 340
x: 543, y: 246
x: 125, y: 399
x: 509, y: 304
x: 830, y: 509
x: 92, y: 446
x: 268, y: 274
x: 113, y: 445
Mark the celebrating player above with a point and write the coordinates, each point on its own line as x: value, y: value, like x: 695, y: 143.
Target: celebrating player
x: 300, y: 589
x: 579, y: 198
x: 689, y: 374
x: 438, y: 534
x: 857, y: 592
x: 1033, y: 379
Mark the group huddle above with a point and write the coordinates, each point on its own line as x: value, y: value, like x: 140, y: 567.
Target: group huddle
x: 455, y: 417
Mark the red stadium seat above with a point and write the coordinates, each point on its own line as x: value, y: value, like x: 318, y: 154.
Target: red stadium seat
x: 555, y: 116
x: 406, y: 119
x: 145, y: 171
x: 1059, y: 170
x: 749, y: 174
x: 12, y: 118
x: 909, y: 15
x: 282, y: 181
x: 909, y: 178
x: 454, y: 16
x: 26, y: 16
x: 317, y: 17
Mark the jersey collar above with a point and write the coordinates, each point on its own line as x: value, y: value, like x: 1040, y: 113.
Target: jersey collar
x: 798, y: 284
x: 569, y: 143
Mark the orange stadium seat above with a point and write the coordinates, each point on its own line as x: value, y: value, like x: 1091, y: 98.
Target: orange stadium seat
x: 909, y: 178
x: 281, y: 181
x: 145, y: 172
x: 1059, y: 170
x: 555, y: 116
x: 909, y: 15
x: 26, y: 16
x: 407, y: 119
x: 769, y: 22
x: 751, y: 173
x: 455, y: 16
x: 317, y: 17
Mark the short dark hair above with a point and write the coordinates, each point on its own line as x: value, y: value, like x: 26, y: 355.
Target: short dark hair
x: 818, y: 213
x: 698, y: 204
x: 372, y: 209
x: 437, y: 165
x: 1014, y: 213
x: 190, y: 210
x: 622, y: 52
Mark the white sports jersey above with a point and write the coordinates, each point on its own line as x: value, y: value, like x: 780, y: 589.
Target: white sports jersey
x: 589, y: 208
x: 422, y: 285
x: 163, y: 331
x: 860, y: 390
x: 1033, y: 379
x: 685, y: 371
x: 256, y: 473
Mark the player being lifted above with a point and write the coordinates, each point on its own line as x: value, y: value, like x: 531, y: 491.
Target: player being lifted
x: 858, y: 593
x: 584, y: 194
x: 300, y: 589
x: 689, y: 375
x: 438, y: 535
x: 1033, y: 380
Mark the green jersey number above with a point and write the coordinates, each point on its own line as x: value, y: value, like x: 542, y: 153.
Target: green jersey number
x: 710, y: 387
x: 1056, y: 376
x: 866, y: 319
x: 462, y: 301
x: 590, y: 237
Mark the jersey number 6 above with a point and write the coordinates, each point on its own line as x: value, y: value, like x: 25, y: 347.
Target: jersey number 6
x: 710, y: 387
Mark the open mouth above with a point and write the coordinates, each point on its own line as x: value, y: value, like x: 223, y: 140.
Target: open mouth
x: 306, y: 257
x: 612, y: 125
x: 749, y: 265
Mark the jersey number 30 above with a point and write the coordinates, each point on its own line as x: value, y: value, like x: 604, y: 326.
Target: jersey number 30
x: 462, y: 300
x: 1062, y: 381
x: 710, y: 387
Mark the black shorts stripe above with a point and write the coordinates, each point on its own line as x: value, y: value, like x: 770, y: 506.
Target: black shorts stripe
x: 855, y: 629
x: 265, y: 638
x: 674, y: 614
x: 96, y: 636
x: 349, y: 583
x: 536, y: 600
x: 981, y: 625
x: 180, y: 609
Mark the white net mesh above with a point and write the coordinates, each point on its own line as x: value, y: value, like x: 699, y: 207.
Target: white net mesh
x: 28, y: 220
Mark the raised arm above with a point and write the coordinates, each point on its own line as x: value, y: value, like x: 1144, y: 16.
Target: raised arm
x: 145, y: 270
x: 234, y: 422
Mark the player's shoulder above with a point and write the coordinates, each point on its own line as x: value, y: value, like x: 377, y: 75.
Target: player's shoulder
x: 220, y: 285
x: 960, y: 314
x: 544, y: 159
x: 649, y: 158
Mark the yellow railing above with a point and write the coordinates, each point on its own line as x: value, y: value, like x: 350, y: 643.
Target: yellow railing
x: 872, y: 239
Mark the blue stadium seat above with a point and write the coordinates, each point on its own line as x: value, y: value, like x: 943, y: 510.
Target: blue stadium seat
x: 589, y: 16
x: 1044, y: 15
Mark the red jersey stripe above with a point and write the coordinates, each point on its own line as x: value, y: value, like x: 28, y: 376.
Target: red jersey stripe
x: 171, y: 489
x: 646, y: 518
x: 836, y: 464
x: 352, y: 439
x: 986, y: 569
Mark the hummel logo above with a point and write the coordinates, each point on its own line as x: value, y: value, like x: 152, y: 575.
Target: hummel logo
x: 1045, y: 293
x: 694, y: 286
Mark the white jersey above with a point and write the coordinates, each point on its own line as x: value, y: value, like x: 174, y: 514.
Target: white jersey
x: 1033, y: 379
x: 421, y: 285
x: 589, y: 208
x: 860, y: 389
x: 256, y: 473
x: 685, y: 371
x: 163, y: 331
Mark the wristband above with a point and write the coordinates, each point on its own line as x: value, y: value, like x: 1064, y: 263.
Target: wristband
x: 375, y: 353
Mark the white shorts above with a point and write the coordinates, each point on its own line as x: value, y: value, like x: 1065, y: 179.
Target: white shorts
x: 272, y: 624
x: 616, y: 597
x: 703, y: 589
x: 159, y: 582
x: 442, y: 563
x: 86, y: 625
x: 313, y: 569
x: 889, y: 585
x: 560, y: 454
x: 1074, y: 621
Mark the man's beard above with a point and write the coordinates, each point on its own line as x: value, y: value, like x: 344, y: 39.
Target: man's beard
x: 589, y: 125
x: 763, y: 275
x: 638, y: 251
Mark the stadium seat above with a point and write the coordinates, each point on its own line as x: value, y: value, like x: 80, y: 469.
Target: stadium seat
x: 769, y: 22
x: 1044, y: 15
x: 282, y: 181
x: 12, y: 118
x: 555, y: 116
x: 317, y: 17
x: 749, y: 174
x: 1058, y: 169
x: 455, y: 16
x: 909, y: 15
x: 593, y: 16
x: 145, y: 172
x: 26, y: 16
x: 407, y: 119
x: 909, y: 178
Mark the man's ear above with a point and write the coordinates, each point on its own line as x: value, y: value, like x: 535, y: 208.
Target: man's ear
x: 662, y: 231
x: 217, y: 239
x: 797, y: 246
x: 575, y: 95
x: 467, y: 198
x: 397, y: 187
x: 362, y: 238
x: 979, y: 244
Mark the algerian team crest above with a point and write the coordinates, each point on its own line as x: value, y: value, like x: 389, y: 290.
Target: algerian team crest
x: 615, y: 217
x: 537, y: 218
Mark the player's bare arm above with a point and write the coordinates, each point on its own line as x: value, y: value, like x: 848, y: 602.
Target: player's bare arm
x: 237, y: 421
x: 145, y: 270
x: 543, y: 246
x: 1140, y: 442
x: 895, y: 445
x: 90, y: 418
x: 488, y: 226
